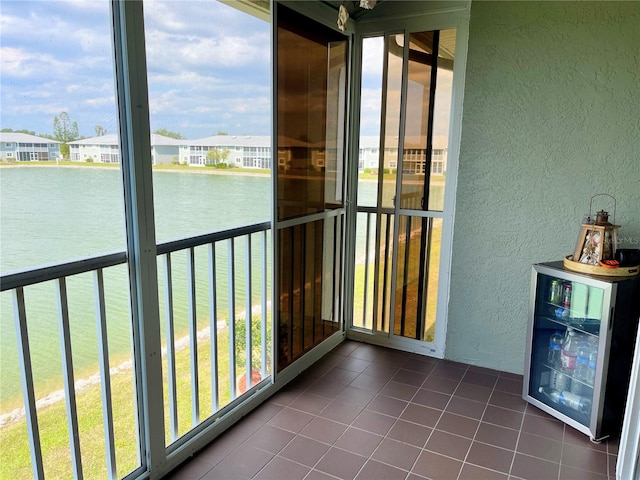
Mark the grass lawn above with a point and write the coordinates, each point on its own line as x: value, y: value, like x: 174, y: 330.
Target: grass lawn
x: 15, y: 459
x: 360, y: 289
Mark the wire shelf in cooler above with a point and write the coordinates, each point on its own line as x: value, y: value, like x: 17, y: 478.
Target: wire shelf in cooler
x: 587, y: 326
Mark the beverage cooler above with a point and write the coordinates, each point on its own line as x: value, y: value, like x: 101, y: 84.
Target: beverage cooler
x: 580, y: 347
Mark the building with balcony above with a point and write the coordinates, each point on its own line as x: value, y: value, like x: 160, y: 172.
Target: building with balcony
x: 389, y: 342
x: 106, y: 149
x: 22, y: 147
x: 245, y: 151
x: 414, y: 158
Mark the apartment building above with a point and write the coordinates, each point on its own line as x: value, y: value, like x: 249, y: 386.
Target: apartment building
x: 22, y: 147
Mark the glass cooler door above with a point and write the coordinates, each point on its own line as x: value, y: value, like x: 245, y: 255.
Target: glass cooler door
x: 565, y: 347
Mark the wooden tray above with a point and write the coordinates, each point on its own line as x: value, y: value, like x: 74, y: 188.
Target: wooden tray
x: 598, y: 270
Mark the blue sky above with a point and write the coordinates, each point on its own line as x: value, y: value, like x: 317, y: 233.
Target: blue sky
x: 208, y: 68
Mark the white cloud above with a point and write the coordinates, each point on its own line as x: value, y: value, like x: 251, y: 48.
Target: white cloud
x: 41, y: 108
x: 185, y: 79
x: 170, y: 52
x: 95, y: 6
x: 41, y: 25
x: 372, y: 57
x: 101, y: 101
x: 18, y: 62
x: 208, y: 66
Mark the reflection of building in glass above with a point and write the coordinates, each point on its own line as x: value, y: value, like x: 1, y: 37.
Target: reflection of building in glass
x: 23, y: 147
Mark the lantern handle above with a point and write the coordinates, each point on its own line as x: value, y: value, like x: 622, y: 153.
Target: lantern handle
x: 614, y: 204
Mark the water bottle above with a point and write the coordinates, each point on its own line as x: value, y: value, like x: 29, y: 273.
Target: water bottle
x: 552, y: 394
x: 568, y: 399
x: 569, y: 352
x: 578, y: 383
x: 555, y: 348
x: 575, y: 402
x: 559, y: 381
x: 593, y: 363
x: 582, y: 362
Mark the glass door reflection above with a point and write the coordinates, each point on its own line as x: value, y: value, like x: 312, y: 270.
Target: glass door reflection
x: 311, y: 100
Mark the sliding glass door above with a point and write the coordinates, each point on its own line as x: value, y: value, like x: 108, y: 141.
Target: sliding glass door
x: 406, y: 93
x: 311, y: 82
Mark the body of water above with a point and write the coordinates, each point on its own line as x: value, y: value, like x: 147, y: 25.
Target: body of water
x: 51, y: 214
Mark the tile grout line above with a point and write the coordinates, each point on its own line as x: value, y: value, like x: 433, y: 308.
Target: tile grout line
x: 384, y: 437
x: 331, y: 446
x: 478, y: 427
x: 515, y: 448
x: 441, y: 414
x: 348, y: 426
x: 404, y: 409
x: 564, y: 433
x: 396, y: 420
x: 298, y: 434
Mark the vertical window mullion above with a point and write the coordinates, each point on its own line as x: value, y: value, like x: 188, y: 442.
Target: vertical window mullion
x: 135, y: 154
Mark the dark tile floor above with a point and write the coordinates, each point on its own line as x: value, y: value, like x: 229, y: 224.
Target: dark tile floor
x: 366, y: 412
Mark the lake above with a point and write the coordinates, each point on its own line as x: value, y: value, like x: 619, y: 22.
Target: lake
x: 51, y: 214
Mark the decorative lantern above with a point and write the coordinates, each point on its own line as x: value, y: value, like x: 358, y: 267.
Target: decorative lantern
x: 598, y: 237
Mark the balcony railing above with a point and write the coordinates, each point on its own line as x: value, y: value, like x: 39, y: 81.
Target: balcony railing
x: 247, y: 297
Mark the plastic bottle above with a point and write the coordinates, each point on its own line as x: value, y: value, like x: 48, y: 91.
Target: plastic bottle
x: 582, y: 362
x: 555, y: 349
x: 591, y: 372
x: 575, y: 402
x: 552, y: 394
x: 568, y: 399
x: 582, y: 338
x: 578, y: 383
x: 560, y: 381
x: 569, y: 352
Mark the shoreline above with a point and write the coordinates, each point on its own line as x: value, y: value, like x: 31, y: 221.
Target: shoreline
x: 180, y: 169
x: 196, y: 170
x: 16, y: 415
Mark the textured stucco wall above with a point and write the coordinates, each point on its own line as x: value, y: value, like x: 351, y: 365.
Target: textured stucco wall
x: 551, y: 117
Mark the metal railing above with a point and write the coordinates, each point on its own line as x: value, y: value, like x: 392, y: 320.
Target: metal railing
x: 15, y: 283
x: 374, y: 245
